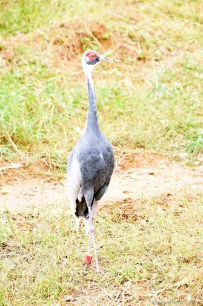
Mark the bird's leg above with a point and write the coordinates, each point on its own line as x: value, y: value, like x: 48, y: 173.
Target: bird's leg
x: 92, y: 234
x: 91, y: 237
x: 77, y: 221
x: 86, y: 226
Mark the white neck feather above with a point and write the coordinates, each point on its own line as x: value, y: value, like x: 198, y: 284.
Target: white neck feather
x: 88, y: 71
x: 92, y: 119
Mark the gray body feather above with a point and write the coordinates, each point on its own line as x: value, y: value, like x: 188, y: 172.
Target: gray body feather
x: 91, y: 173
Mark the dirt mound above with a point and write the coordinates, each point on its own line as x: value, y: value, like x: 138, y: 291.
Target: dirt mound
x: 62, y: 42
x: 76, y: 38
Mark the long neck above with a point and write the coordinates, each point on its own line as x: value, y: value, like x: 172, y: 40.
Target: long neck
x: 92, y: 123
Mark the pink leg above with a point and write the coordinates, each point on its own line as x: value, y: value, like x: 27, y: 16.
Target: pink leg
x: 91, y: 238
x: 77, y: 221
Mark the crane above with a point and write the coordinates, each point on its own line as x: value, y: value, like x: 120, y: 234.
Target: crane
x: 91, y: 162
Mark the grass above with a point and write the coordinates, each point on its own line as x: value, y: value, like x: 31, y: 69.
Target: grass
x: 151, y: 255
x: 151, y: 102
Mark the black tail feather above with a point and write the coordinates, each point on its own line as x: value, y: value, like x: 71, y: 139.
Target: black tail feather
x: 81, y: 208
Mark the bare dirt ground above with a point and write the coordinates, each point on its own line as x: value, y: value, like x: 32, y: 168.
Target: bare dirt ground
x: 146, y: 176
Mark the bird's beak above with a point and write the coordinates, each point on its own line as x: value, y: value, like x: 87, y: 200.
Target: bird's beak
x: 107, y: 59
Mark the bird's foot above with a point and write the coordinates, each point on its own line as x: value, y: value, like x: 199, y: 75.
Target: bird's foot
x: 95, y: 269
x: 88, y: 260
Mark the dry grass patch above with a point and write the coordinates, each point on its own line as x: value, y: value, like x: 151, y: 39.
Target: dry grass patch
x: 148, y: 253
x: 125, y: 210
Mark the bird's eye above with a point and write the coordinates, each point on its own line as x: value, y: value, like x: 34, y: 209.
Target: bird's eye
x: 92, y: 56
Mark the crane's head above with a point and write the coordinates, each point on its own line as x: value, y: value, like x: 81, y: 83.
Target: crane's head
x: 91, y: 58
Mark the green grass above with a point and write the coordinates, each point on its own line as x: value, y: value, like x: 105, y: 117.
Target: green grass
x: 157, y: 253
x: 25, y: 16
x: 152, y: 103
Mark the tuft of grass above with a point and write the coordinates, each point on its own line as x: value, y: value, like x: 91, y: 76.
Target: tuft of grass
x: 155, y: 256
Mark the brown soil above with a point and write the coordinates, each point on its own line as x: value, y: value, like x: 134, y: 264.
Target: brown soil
x: 62, y: 42
x: 146, y: 176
